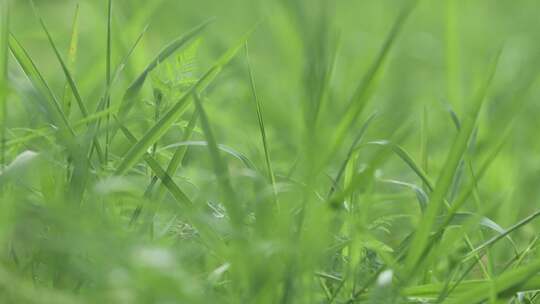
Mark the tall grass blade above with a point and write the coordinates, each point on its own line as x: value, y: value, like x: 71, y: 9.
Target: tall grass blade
x: 74, y: 91
x: 424, y: 228
x: 4, y: 36
x: 53, y: 106
x: 262, y: 129
x: 108, y: 74
x: 220, y: 167
x: 367, y: 87
x: 71, y: 59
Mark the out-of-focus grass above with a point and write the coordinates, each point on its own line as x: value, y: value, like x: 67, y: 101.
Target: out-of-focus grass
x: 362, y: 152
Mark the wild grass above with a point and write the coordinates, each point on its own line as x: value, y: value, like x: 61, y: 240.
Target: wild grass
x: 370, y: 152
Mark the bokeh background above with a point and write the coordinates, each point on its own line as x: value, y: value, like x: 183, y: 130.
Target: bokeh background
x: 434, y: 68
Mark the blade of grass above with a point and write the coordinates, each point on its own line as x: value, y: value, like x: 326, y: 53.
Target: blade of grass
x: 47, y: 131
x: 223, y: 148
x: 407, y: 158
x: 4, y: 36
x: 505, y: 134
x: 220, y: 167
x: 500, y: 236
x: 358, y: 138
x: 510, y: 281
x: 53, y: 106
x: 421, y: 238
x: 70, y: 81
x: 167, y: 120
x: 367, y: 87
x: 93, y: 129
x: 71, y: 58
x: 424, y: 137
x: 262, y: 129
x: 166, y: 179
x: 108, y: 74
x: 179, y: 154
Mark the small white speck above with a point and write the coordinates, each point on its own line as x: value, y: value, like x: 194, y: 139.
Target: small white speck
x: 385, y: 278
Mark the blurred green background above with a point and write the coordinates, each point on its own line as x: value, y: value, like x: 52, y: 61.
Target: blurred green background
x: 436, y: 64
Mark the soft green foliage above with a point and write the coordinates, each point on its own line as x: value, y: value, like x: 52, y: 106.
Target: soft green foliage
x: 287, y: 151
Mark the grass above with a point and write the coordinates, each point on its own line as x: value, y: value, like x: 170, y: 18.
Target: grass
x: 269, y: 152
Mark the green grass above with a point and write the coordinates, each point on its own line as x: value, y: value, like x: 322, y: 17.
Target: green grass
x: 302, y: 151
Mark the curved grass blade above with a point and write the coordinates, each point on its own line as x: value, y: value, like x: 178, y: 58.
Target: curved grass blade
x: 44, y: 132
x: 167, y: 120
x: 406, y: 157
x: 228, y: 150
x: 369, y: 83
x: 421, y: 238
x: 358, y: 138
x: 506, y: 232
x: 53, y: 106
x: 420, y: 194
x: 69, y: 78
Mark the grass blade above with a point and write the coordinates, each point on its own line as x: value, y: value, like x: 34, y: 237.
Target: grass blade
x: 179, y: 153
x: 341, y: 170
x: 421, y: 238
x: 262, y: 129
x: 369, y: 83
x: 166, y: 179
x: 506, y: 232
x: 220, y: 167
x: 53, y: 106
x: 4, y: 35
x: 108, y: 74
x: 407, y: 158
x: 509, y: 282
x: 70, y: 81
x: 71, y: 58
